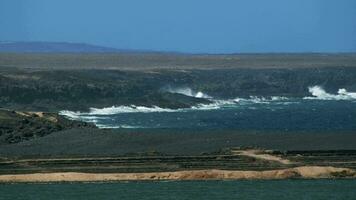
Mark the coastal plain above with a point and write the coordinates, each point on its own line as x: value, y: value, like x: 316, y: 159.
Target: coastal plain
x: 35, y: 139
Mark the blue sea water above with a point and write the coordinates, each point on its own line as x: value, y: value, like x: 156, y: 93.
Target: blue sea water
x: 187, y: 190
x: 316, y: 115
x: 319, y: 112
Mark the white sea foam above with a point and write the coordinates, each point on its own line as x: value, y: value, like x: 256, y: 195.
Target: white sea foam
x: 96, y: 115
x: 127, y: 109
x: 71, y: 114
x: 188, y: 92
x: 216, y: 104
x: 102, y: 126
x: 99, y: 113
x: 320, y: 94
x: 278, y: 98
x: 261, y: 100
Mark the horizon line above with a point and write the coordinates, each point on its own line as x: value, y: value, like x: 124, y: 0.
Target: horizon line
x: 133, y: 50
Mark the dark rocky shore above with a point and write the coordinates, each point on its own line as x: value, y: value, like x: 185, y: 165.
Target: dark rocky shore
x: 16, y: 126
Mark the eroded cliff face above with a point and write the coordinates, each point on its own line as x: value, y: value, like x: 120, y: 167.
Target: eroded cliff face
x: 54, y: 90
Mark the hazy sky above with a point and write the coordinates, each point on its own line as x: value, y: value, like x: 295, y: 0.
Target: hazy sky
x: 211, y: 26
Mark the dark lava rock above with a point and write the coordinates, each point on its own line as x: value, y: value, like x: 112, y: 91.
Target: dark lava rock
x: 19, y: 126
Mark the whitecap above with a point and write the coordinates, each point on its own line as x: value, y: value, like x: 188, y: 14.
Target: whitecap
x: 188, y: 92
x: 99, y: 113
x: 102, y: 126
x: 71, y: 114
x: 319, y: 93
x: 261, y: 100
x: 127, y: 109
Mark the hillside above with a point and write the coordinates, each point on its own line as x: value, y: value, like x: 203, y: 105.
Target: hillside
x: 54, y: 47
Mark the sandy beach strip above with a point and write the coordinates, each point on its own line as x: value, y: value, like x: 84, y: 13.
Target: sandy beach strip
x: 297, y: 172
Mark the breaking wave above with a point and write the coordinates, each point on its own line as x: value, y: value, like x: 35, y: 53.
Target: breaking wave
x: 188, y: 92
x: 97, y: 115
x: 317, y: 92
x: 102, y: 126
x: 320, y: 94
x: 262, y: 100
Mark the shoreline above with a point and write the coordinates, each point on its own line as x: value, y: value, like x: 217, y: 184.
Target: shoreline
x: 304, y: 172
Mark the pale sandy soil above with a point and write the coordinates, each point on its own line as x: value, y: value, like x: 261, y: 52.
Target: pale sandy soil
x: 263, y: 155
x: 38, y: 114
x: 298, y: 172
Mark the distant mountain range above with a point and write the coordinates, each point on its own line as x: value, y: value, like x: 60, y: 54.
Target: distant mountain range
x: 57, y: 47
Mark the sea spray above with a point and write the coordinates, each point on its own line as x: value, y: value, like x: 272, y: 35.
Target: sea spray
x: 319, y: 93
x: 187, y: 92
x: 103, y: 117
x: 96, y: 114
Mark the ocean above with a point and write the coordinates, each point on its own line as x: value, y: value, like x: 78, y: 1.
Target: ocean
x: 206, y: 190
x: 320, y: 111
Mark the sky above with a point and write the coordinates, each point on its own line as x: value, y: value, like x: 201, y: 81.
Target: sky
x: 191, y: 26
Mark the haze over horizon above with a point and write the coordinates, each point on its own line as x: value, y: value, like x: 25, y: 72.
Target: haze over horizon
x: 199, y: 26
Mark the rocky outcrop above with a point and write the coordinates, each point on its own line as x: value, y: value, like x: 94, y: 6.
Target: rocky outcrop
x: 16, y: 126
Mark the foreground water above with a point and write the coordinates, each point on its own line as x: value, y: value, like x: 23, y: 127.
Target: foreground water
x: 271, y: 190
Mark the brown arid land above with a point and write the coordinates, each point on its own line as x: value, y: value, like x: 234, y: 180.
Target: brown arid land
x: 234, y: 164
